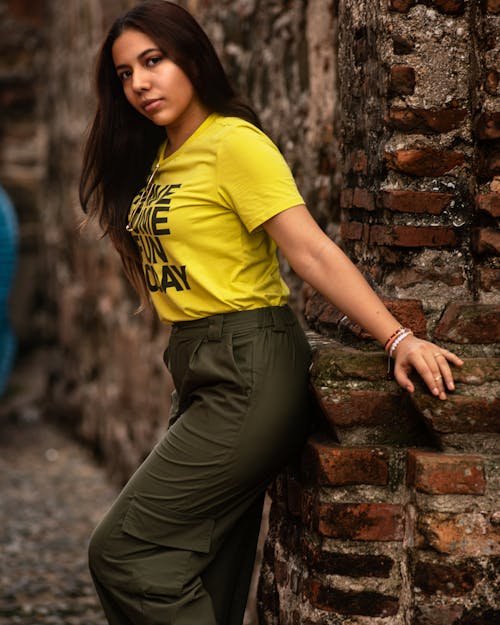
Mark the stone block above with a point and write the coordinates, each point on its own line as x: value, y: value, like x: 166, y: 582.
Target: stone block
x: 489, y: 203
x: 360, y: 521
x: 421, y: 162
x: 353, y: 407
x: 362, y: 198
x: 459, y: 414
x: 462, y: 534
x: 425, y: 121
x: 469, y: 323
x: 486, y: 241
x: 441, y: 474
x: 348, y: 564
x: 404, y: 201
x: 328, y: 464
x: 402, y: 80
x: 452, y: 580
x: 412, y: 236
x: 488, y: 126
x: 326, y: 597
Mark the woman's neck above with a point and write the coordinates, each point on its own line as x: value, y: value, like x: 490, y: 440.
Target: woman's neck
x: 180, y: 131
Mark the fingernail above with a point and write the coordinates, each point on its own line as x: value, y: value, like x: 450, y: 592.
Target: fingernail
x: 442, y: 395
x: 435, y: 391
x: 451, y: 386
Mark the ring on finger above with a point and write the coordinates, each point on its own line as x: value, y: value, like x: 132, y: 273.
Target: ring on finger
x: 438, y: 377
x: 438, y: 354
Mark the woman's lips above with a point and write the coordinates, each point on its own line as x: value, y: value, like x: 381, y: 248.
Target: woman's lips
x: 150, y: 105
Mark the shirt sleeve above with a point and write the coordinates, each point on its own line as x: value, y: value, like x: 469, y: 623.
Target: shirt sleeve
x: 253, y: 178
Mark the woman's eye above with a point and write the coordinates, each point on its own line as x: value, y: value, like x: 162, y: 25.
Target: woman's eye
x: 124, y: 75
x: 153, y: 60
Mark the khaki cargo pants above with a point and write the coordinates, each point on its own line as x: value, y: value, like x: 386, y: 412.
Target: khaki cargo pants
x: 178, y: 545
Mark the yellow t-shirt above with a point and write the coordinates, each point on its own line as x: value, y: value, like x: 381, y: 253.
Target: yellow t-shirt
x: 197, y: 228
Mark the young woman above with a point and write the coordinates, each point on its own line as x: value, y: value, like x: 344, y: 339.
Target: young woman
x: 195, y: 198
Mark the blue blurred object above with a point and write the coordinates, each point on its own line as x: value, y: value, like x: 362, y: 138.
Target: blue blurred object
x: 9, y: 235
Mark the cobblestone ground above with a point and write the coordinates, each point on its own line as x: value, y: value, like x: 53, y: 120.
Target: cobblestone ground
x: 51, y: 496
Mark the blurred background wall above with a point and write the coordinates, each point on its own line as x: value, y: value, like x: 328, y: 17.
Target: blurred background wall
x: 69, y: 295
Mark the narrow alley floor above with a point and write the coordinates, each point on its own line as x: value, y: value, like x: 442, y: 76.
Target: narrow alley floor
x: 52, y: 494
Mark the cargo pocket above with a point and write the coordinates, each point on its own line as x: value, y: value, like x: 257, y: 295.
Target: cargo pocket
x: 240, y: 353
x: 162, y: 564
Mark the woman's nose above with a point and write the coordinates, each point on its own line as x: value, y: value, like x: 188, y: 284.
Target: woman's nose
x: 140, y: 81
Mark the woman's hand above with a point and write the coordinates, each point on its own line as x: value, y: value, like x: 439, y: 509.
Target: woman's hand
x: 430, y: 362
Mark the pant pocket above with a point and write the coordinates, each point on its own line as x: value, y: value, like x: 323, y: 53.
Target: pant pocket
x: 165, y: 542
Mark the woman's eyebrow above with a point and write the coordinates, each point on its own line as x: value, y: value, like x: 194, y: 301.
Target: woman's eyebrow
x: 139, y: 57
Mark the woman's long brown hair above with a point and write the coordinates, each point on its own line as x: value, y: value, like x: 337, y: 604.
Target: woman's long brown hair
x: 122, y: 143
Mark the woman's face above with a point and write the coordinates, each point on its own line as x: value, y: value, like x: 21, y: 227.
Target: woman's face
x: 153, y: 84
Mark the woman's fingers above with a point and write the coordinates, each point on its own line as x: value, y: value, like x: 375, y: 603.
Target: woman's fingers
x: 430, y: 362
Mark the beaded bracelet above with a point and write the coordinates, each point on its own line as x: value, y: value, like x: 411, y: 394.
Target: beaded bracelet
x: 398, y: 340
x: 393, y: 336
x: 399, y: 336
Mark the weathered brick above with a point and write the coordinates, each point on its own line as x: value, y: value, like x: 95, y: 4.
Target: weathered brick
x: 450, y: 7
x: 412, y: 236
x: 403, y: 201
x: 346, y: 197
x: 489, y: 203
x: 424, y: 161
x: 479, y: 616
x: 359, y: 164
x: 348, y: 408
x: 344, y: 602
x: 336, y: 362
x: 360, y: 521
x: 402, y: 45
x: 410, y: 313
x: 459, y: 414
x: 402, y: 6
x: 491, y: 81
x: 362, y: 198
x: 353, y: 230
x: 333, y: 317
x: 425, y: 121
x: 405, y: 277
x: 476, y: 371
x: 439, y: 474
x: 402, y: 79
x: 486, y: 241
x: 436, y: 614
x: 349, y: 564
x: 489, y: 160
x: 489, y: 278
x: 488, y: 126
x: 454, y: 580
x: 469, y: 323
x: 331, y: 465
x: 467, y: 534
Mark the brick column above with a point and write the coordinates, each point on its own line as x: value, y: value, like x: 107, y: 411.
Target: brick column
x: 391, y: 513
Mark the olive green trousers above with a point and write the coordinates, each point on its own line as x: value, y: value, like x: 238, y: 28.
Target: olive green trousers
x: 178, y: 545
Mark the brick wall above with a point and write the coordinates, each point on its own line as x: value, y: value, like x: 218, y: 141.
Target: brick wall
x: 390, y: 516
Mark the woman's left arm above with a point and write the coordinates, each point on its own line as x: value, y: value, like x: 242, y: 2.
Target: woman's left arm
x: 321, y: 263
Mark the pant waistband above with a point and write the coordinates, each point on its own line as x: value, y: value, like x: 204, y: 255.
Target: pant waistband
x: 277, y: 317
